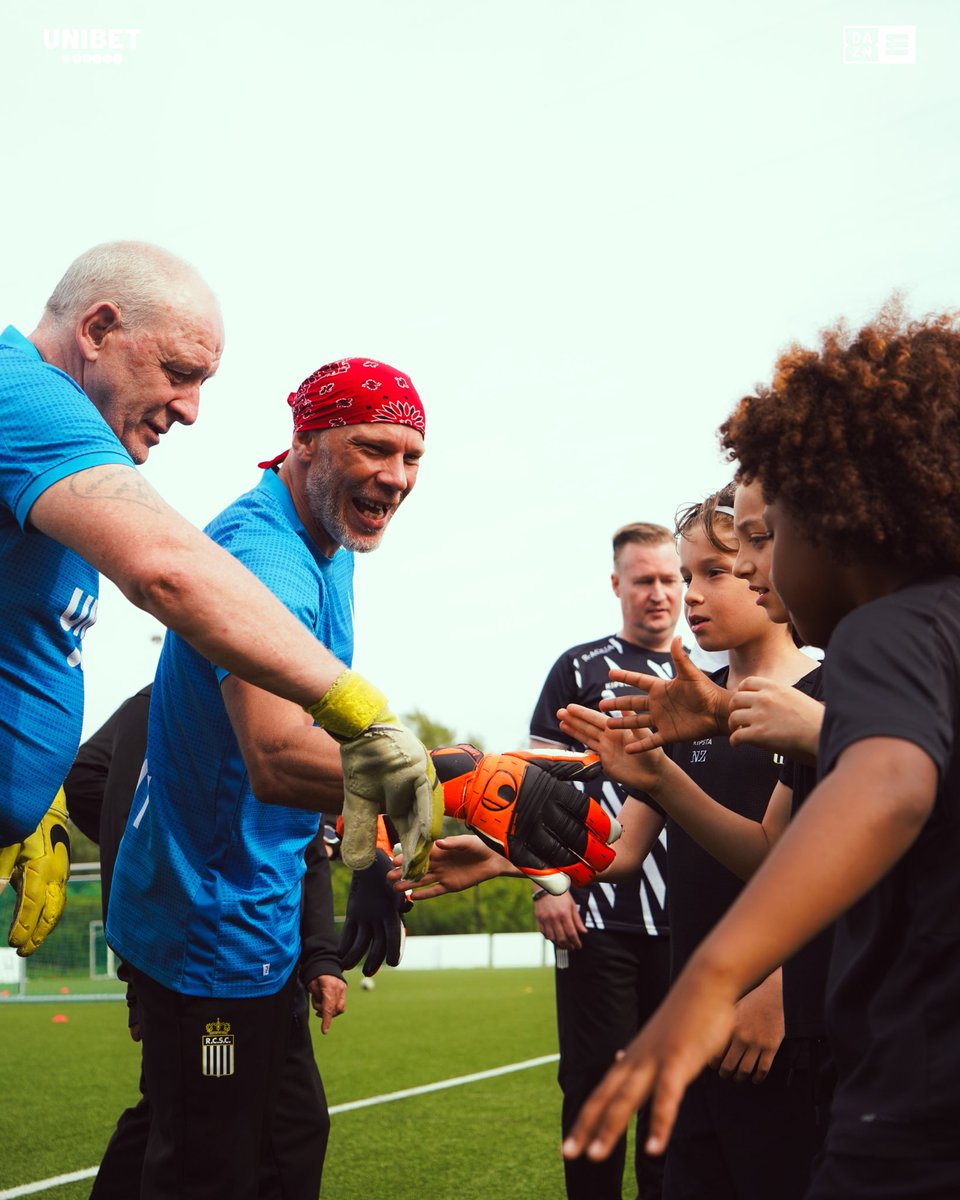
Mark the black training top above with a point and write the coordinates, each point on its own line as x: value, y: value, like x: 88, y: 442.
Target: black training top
x: 100, y: 785
x: 740, y: 778
x: 805, y: 975
x: 893, y: 1000
x: 637, y: 904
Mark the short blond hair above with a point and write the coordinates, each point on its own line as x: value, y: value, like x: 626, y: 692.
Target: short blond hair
x: 640, y: 533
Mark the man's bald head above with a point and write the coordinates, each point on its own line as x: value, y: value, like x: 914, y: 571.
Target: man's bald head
x: 139, y: 331
x: 140, y: 279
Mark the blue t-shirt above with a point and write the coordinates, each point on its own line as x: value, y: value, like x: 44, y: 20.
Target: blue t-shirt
x: 49, y: 429
x: 206, y: 891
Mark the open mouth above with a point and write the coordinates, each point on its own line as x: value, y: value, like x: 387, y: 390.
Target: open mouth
x: 372, y: 512
x: 762, y: 593
x: 697, y: 623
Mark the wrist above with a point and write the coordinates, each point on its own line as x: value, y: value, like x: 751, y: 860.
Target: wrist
x: 498, y: 866
x: 712, y: 972
x: 722, y: 710
x: 655, y: 784
x: 349, y: 706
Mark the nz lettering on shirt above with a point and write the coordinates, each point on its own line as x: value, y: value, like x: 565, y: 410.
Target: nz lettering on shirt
x: 698, y: 752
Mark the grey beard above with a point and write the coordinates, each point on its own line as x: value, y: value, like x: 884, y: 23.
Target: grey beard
x: 321, y: 494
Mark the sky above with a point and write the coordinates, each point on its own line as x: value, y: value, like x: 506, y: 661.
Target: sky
x: 584, y: 229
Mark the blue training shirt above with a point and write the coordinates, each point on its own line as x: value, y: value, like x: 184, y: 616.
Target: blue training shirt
x: 206, y: 891
x: 49, y: 429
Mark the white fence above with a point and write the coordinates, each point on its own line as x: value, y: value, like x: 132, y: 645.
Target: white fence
x: 12, y: 969
x: 463, y: 950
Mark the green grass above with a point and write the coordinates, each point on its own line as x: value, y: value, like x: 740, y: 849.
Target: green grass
x: 64, y: 1085
x: 75, y: 983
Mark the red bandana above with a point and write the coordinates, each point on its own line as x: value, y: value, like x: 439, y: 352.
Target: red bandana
x: 354, y: 391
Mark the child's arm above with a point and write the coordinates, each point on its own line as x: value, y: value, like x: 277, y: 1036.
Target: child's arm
x: 641, y: 827
x: 853, y: 828
x: 740, y: 843
x: 456, y: 863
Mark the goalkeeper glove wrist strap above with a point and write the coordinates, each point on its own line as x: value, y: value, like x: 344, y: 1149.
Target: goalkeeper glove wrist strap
x: 349, y: 706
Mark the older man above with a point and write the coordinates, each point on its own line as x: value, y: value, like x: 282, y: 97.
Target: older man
x: 127, y: 338
x: 205, y: 904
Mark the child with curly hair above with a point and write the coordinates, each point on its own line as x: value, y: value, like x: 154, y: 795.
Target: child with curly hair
x: 856, y: 446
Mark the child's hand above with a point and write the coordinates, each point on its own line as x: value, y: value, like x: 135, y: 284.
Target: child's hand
x: 639, y: 772
x: 456, y: 863
x: 681, y: 709
x: 777, y: 717
x: 687, y: 1030
x: 757, y: 1034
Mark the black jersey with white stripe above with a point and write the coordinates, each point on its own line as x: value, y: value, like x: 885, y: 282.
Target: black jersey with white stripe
x: 637, y: 904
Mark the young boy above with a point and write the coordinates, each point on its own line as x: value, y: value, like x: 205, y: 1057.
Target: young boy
x: 857, y: 449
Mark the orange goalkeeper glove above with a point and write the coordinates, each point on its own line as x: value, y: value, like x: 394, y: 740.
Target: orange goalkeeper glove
x: 521, y: 805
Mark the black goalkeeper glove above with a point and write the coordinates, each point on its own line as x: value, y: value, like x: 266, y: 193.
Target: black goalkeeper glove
x: 373, y: 929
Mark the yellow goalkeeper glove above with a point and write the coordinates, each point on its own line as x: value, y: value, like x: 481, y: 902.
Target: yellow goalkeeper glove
x: 38, y: 869
x: 385, y: 770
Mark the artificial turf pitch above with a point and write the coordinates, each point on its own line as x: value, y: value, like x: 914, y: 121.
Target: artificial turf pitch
x: 64, y: 1084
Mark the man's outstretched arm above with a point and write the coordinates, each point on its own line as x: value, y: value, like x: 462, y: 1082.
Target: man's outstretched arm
x: 113, y: 518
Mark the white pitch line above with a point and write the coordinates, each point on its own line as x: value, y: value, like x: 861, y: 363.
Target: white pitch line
x: 457, y: 1081
x: 43, y: 1185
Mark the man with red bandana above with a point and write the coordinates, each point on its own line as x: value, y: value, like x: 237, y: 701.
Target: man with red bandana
x: 205, y: 903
